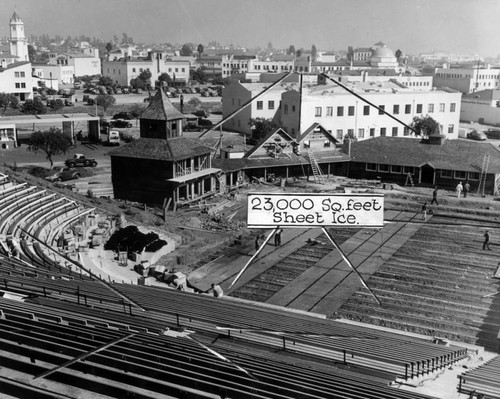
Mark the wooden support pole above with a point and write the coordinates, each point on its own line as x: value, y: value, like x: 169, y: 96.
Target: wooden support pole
x: 350, y: 265
x: 255, y: 255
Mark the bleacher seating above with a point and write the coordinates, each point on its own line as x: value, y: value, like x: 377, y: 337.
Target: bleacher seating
x: 482, y: 381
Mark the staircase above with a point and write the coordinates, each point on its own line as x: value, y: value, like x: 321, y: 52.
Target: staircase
x: 318, y: 175
x: 484, y: 173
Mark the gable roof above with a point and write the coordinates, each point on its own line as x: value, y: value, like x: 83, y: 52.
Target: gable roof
x: 278, y: 132
x: 460, y: 154
x: 160, y: 108
x: 173, y: 149
x: 314, y: 128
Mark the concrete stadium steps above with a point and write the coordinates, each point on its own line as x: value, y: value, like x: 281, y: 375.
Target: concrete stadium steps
x: 101, y: 186
x: 438, y: 283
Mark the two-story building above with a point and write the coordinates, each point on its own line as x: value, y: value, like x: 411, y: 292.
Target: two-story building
x: 162, y: 166
x: 267, y: 106
x: 15, y: 78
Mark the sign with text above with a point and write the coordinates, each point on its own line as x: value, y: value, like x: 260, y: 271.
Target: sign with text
x: 315, y: 210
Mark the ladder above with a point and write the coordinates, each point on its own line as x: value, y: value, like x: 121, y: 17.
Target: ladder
x: 482, y: 176
x: 409, y: 179
x: 318, y: 175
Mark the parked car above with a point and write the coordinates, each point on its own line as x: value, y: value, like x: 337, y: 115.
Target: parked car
x: 123, y: 115
x: 120, y: 123
x: 63, y: 174
x: 476, y: 135
x: 80, y: 160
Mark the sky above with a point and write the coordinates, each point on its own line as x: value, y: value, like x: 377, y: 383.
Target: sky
x: 413, y: 26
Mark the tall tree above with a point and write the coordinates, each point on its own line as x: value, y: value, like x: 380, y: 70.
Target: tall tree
x: 52, y: 142
x: 425, y: 126
x: 186, y: 50
x: 398, y: 54
x: 105, y: 101
x: 31, y: 53
x: 200, y: 49
x: 109, y: 47
x: 7, y: 100
x: 145, y: 78
x: 269, y: 46
x: 314, y: 52
x: 261, y: 127
x: 199, y: 75
x: 291, y: 50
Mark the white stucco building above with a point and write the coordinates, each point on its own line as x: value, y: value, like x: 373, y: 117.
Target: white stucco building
x: 482, y: 106
x: 467, y: 80
x: 266, y: 106
x: 16, y: 79
x: 343, y: 114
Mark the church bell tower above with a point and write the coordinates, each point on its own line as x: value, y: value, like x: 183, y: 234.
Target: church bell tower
x: 18, y: 41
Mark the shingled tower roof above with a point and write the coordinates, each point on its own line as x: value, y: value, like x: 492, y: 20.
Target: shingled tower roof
x: 160, y: 108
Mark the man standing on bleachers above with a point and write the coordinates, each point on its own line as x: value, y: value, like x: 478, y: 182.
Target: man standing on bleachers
x: 486, y: 243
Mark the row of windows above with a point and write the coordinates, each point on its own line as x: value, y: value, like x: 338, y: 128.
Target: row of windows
x: 140, y: 69
x: 447, y: 174
x: 417, y: 84
x: 318, y: 111
x: 177, y: 69
x: 339, y: 134
x: 260, y: 105
x: 20, y: 85
x: 19, y: 74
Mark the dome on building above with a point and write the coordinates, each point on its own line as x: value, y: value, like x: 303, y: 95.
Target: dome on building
x: 383, y: 52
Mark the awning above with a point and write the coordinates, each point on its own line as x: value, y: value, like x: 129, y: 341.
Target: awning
x: 195, y: 175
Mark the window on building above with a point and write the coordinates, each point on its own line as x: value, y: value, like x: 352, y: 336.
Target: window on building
x: 16, y: 74
x: 317, y: 111
x: 419, y: 108
x: 441, y: 107
x: 307, y: 144
x: 473, y: 175
x: 381, y: 109
x: 293, y: 108
x: 270, y: 104
x: 350, y: 110
x: 361, y: 133
x: 350, y: 133
x: 326, y: 143
x: 340, y: 111
x: 383, y: 167
x: 372, y: 132
x: 451, y: 128
x: 383, y: 131
x: 453, y: 107
x: 396, y: 169
x: 260, y: 105
x: 18, y: 85
x: 133, y: 70
x: 366, y: 110
x: 372, y: 167
x: 395, y: 109
x: 408, y: 109
x: 183, y: 69
x: 460, y: 174
x: 406, y: 131
x: 23, y: 85
x: 340, y: 134
x: 430, y: 108
x: 329, y: 111
x: 285, y: 109
x: 394, y: 131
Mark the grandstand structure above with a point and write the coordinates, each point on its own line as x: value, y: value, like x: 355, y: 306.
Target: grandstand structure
x: 65, y: 333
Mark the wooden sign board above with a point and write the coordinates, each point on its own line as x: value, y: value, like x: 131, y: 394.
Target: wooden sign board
x: 315, y: 210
